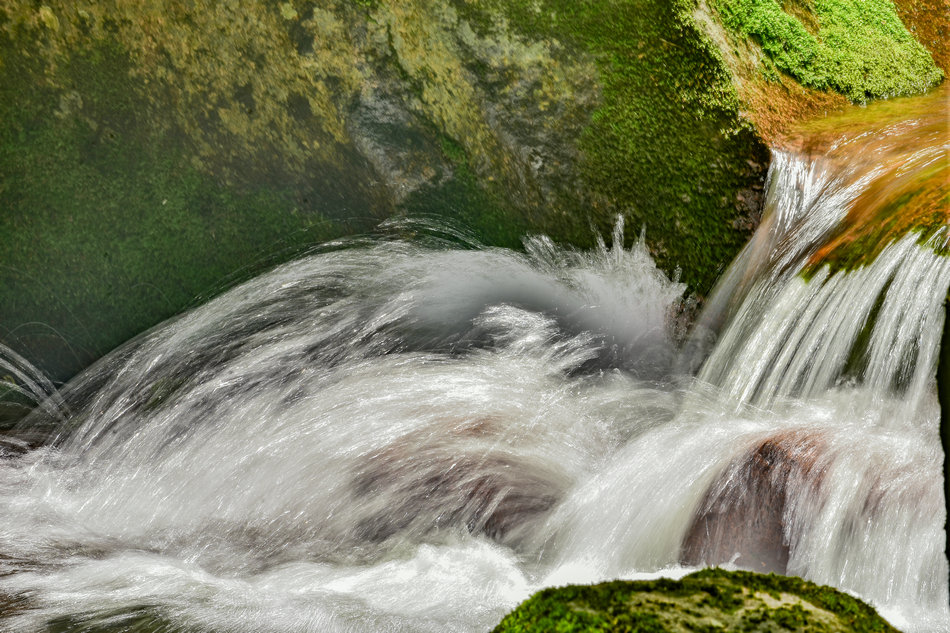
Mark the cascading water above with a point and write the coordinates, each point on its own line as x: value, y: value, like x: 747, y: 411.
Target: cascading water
x: 413, y: 436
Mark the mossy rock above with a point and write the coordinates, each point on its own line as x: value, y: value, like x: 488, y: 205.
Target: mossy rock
x: 665, y: 145
x: 708, y: 600
x: 153, y: 154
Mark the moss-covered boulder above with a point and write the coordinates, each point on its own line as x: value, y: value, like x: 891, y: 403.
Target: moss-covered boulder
x: 153, y: 153
x: 860, y: 49
x: 708, y: 600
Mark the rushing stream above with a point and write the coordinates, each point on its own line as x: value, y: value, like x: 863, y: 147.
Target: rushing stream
x: 415, y: 434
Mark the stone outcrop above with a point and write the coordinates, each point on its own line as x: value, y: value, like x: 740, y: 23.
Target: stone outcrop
x: 709, y: 600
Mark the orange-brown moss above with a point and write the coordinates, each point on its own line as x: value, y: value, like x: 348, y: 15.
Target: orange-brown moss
x: 929, y: 22
x: 904, y: 142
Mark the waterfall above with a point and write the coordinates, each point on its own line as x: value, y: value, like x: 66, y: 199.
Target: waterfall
x: 415, y: 435
x: 808, y: 441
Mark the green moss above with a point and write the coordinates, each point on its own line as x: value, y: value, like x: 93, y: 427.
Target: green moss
x: 709, y: 600
x: 666, y: 147
x: 856, y: 614
x: 860, y: 49
x: 107, y: 228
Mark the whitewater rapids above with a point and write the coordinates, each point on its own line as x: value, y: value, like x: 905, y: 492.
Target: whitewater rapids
x: 393, y: 435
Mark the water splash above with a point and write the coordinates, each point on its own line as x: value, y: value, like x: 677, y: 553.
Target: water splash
x: 23, y: 387
x: 414, y: 435
x: 879, y: 325
x: 356, y: 417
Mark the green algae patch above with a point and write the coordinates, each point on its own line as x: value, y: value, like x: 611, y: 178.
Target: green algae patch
x: 859, y: 49
x: 708, y: 600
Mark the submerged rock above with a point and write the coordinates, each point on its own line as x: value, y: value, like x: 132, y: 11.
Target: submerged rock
x: 742, y: 519
x: 708, y: 600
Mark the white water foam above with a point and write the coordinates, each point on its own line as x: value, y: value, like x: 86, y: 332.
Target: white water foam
x: 396, y: 437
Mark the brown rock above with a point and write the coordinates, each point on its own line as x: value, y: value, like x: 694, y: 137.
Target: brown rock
x: 742, y: 517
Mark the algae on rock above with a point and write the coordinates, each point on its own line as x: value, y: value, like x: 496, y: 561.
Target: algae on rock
x: 708, y: 600
x: 861, y: 50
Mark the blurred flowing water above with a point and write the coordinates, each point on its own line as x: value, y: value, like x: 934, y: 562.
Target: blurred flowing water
x: 415, y: 434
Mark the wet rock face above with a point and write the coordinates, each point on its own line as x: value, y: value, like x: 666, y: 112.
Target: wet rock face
x: 403, y: 151
x: 282, y: 93
x: 742, y: 517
